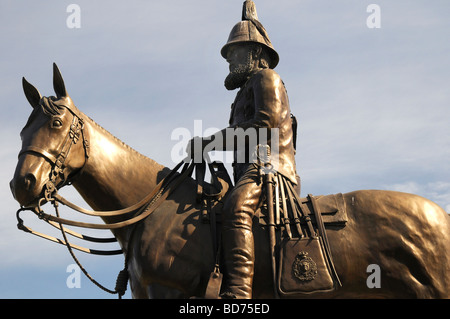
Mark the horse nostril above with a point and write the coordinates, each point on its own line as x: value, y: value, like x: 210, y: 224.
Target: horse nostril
x: 29, y: 180
x: 24, y: 189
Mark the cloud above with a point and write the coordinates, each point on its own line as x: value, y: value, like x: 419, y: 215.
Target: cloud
x: 372, y: 104
x: 438, y: 191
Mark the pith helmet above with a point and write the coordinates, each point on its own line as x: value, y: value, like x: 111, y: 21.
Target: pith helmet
x: 251, y: 30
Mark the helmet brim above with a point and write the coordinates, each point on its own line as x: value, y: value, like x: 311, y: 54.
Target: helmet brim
x: 247, y: 32
x: 274, y: 57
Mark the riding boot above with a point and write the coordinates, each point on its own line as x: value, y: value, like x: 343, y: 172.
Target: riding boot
x: 238, y: 250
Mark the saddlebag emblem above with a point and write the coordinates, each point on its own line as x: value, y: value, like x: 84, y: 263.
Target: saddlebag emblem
x: 304, y: 267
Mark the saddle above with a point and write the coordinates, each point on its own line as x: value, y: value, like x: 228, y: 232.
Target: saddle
x: 303, y: 260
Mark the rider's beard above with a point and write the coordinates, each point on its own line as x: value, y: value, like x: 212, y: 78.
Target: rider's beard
x: 239, y: 75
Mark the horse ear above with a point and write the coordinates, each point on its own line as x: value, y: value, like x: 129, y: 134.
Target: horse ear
x: 58, y: 82
x: 32, y: 94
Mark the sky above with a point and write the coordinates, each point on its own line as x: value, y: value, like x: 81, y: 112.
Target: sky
x: 370, y: 90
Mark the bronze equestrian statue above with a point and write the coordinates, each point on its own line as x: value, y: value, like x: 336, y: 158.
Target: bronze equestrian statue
x: 261, y: 105
x: 165, y: 232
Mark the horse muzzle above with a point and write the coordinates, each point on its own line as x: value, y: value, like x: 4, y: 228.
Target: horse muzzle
x: 28, y: 182
x: 24, y: 190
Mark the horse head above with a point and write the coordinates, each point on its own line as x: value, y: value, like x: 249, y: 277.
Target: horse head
x: 54, y: 145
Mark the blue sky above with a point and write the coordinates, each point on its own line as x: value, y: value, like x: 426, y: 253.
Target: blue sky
x: 372, y: 104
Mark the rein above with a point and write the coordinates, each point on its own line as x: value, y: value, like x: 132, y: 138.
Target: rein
x: 141, y: 210
x: 138, y: 211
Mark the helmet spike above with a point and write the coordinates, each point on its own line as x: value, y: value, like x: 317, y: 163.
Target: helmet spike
x: 249, y: 11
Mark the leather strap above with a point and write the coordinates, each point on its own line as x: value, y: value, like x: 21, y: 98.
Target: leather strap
x: 157, y: 196
x: 323, y: 234
x: 34, y: 149
x: 119, y: 212
x: 26, y: 229
x: 152, y: 200
x: 286, y: 220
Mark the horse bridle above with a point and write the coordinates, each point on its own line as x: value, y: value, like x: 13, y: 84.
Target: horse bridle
x: 140, y: 210
x: 76, y: 132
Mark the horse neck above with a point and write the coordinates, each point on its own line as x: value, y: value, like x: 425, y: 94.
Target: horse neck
x: 115, y: 176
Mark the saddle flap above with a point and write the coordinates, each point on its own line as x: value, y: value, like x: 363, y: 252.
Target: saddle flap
x: 332, y: 208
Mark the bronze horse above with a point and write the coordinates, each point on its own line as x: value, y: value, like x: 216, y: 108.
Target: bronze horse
x: 171, y: 253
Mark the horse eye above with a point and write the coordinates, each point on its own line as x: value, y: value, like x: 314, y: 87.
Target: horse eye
x: 56, y: 123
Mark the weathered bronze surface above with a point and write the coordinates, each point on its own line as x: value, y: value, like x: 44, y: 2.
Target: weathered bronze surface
x: 171, y: 256
x: 261, y: 106
x: 170, y: 252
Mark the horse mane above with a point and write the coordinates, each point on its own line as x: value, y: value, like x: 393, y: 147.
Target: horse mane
x: 52, y: 106
x: 118, y: 140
